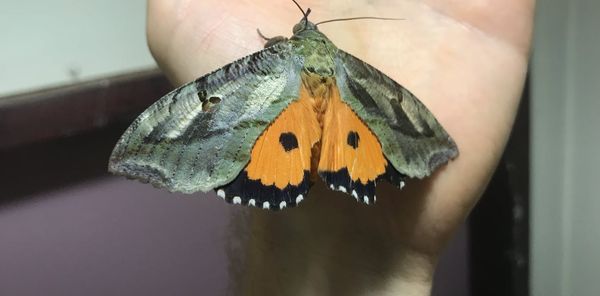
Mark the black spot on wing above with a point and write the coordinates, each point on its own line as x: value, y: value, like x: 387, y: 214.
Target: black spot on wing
x: 210, y: 104
x: 214, y: 100
x: 253, y: 191
x: 353, y: 139
x: 288, y: 141
x: 201, y: 95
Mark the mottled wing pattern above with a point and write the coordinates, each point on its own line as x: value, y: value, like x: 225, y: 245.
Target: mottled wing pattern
x: 278, y: 174
x: 200, y: 135
x: 411, y: 138
x: 351, y: 158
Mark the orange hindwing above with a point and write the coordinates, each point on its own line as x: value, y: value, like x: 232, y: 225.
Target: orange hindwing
x: 351, y: 156
x: 317, y: 132
x: 278, y: 174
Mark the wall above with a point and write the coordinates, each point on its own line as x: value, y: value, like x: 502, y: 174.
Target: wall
x: 566, y: 139
x: 47, y: 43
x: 112, y: 236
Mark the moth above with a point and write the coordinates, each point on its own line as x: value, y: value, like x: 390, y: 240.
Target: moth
x: 261, y: 130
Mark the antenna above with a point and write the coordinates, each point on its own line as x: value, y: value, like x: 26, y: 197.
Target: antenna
x: 300, y: 7
x: 360, y: 18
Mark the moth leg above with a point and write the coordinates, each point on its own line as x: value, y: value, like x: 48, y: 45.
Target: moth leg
x: 271, y: 41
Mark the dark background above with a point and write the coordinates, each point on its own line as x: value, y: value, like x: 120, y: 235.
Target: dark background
x: 68, y: 228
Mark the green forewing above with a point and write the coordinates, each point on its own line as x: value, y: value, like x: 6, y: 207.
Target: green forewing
x: 411, y: 138
x: 200, y: 135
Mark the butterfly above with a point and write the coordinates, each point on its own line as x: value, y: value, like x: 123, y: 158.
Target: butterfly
x: 261, y: 130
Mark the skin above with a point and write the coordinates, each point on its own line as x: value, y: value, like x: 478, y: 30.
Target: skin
x: 465, y: 60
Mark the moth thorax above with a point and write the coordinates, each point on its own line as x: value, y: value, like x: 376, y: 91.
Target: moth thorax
x: 318, y: 86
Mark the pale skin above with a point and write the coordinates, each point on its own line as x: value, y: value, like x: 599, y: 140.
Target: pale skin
x: 465, y: 60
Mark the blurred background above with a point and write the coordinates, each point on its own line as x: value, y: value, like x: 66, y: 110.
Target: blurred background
x: 68, y: 91
x: 67, y: 41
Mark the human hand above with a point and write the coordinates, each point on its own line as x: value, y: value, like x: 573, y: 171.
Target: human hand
x: 465, y: 60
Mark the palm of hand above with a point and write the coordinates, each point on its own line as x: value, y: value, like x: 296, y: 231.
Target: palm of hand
x: 466, y: 61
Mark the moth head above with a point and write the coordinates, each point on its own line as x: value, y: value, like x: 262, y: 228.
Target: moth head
x: 303, y: 25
